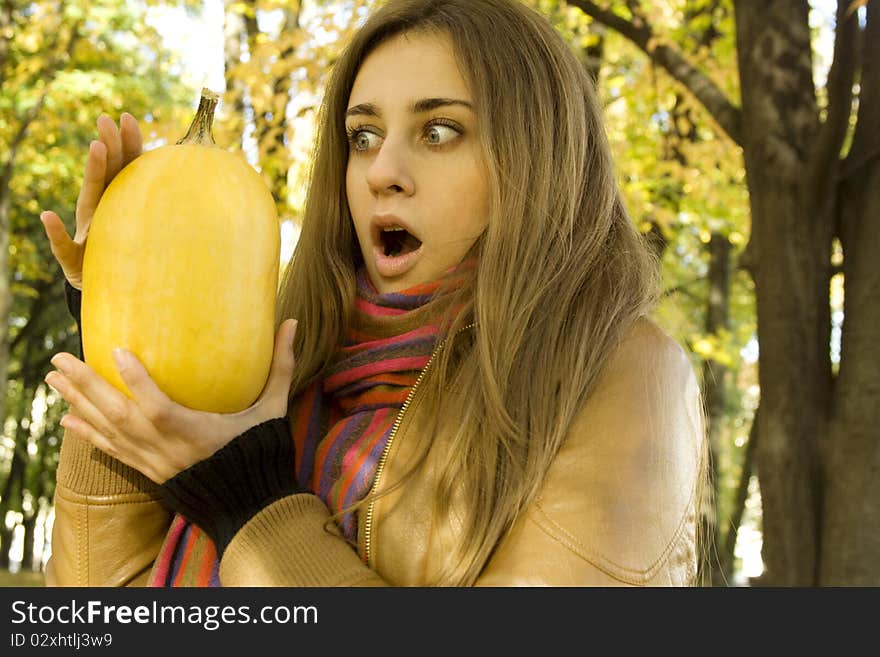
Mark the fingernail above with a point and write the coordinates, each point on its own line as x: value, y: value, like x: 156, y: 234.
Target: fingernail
x: 121, y: 358
x: 58, y: 362
x: 64, y: 422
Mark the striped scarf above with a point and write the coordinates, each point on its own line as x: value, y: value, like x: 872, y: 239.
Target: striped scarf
x: 340, y: 424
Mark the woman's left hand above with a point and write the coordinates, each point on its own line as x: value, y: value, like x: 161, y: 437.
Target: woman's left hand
x: 151, y: 433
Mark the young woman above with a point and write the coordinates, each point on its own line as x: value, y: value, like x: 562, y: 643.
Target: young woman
x: 474, y: 395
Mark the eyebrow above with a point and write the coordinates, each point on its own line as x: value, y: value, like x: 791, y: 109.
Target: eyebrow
x: 420, y: 106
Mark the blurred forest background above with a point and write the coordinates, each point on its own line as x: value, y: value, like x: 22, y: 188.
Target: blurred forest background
x: 747, y: 139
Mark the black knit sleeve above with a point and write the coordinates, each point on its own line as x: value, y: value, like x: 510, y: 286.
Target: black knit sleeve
x: 223, y: 492
x: 74, y: 303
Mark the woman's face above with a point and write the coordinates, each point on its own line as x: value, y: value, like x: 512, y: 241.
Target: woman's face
x: 416, y: 182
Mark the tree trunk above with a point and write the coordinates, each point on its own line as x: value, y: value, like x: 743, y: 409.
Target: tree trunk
x: 851, y: 535
x: 714, y: 394
x: 11, y: 499
x: 6, y: 35
x: 14, y: 484
x: 790, y: 255
x: 851, y: 532
x: 727, y: 554
x: 30, y: 525
x: 39, y: 494
x: 5, y: 291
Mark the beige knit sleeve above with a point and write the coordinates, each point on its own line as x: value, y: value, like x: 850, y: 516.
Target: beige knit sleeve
x: 293, y: 542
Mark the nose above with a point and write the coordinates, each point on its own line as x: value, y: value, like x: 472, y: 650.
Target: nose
x: 389, y: 172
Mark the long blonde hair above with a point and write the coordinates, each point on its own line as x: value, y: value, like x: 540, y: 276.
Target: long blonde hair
x: 561, y: 272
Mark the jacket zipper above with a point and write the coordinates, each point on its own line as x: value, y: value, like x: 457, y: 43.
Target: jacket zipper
x: 368, y: 523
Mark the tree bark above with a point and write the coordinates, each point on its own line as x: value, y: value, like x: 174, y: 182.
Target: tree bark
x: 12, y: 497
x: 714, y: 387
x: 727, y: 555
x: 30, y: 526
x: 792, y: 230
x: 851, y: 533
x: 13, y: 489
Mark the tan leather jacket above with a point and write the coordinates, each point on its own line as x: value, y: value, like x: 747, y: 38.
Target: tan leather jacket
x: 617, y: 506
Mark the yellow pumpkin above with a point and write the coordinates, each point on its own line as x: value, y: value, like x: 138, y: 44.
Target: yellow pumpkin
x: 181, y: 268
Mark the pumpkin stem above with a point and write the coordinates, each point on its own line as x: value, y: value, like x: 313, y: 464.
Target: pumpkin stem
x: 200, y: 130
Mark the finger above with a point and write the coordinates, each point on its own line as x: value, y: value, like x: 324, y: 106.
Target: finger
x: 282, y: 359
x: 132, y: 141
x: 87, y: 390
x: 154, y: 404
x: 61, y: 245
x: 166, y: 457
x: 109, y: 134
x: 76, y: 400
x: 79, y: 427
x: 91, y: 190
x: 281, y: 372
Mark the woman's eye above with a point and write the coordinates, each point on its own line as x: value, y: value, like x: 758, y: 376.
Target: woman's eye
x: 440, y: 134
x: 362, y: 140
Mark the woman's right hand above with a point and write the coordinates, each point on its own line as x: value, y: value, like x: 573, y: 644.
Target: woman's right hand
x: 108, y: 154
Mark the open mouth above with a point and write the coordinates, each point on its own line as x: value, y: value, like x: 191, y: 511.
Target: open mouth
x: 398, y: 241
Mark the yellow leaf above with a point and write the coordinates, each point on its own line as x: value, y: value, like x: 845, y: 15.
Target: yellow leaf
x: 703, y: 347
